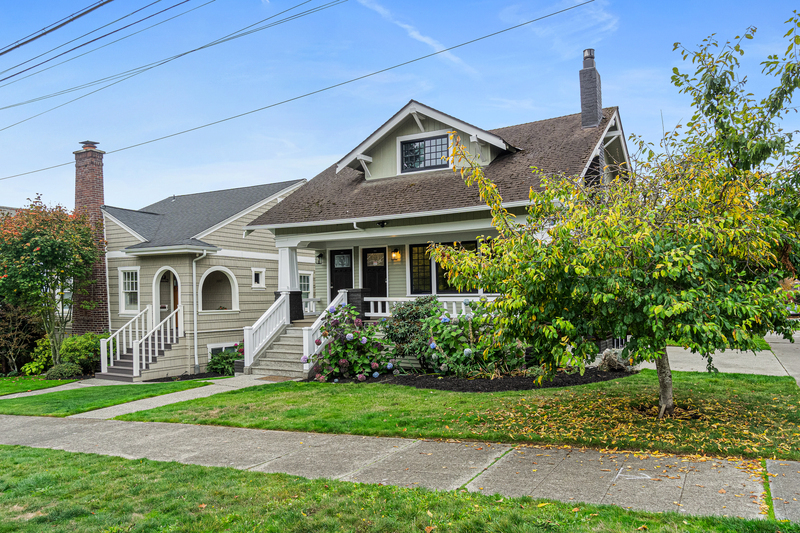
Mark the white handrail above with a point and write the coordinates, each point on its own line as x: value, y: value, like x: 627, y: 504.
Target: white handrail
x: 125, y: 336
x: 264, y: 330
x: 166, y: 332
x: 310, y: 305
x: 314, y: 332
x: 380, y: 307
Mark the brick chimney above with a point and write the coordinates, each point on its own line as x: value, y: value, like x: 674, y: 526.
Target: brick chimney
x: 591, y: 94
x: 89, y: 199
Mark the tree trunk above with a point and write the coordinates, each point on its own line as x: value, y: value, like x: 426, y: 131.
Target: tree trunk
x: 666, y: 404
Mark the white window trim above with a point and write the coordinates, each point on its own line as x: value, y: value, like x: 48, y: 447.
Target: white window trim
x: 310, y: 275
x: 222, y: 345
x: 434, y: 286
x: 234, y: 292
x: 416, y: 136
x: 258, y: 286
x: 121, y: 302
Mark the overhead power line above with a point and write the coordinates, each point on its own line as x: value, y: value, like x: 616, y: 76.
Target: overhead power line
x: 92, y: 41
x: 318, y: 91
x: 77, y: 38
x: 109, y: 44
x: 53, y: 27
x: 139, y: 70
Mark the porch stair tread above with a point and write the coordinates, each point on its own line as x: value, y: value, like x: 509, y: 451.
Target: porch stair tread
x: 282, y: 357
x: 122, y: 368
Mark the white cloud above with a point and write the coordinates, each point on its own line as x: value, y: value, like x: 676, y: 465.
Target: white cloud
x: 417, y: 36
x: 567, y: 33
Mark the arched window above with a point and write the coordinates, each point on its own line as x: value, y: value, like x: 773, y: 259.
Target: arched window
x: 219, y: 290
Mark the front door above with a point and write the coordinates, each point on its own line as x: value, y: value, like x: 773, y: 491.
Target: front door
x: 341, y: 271
x: 374, y: 265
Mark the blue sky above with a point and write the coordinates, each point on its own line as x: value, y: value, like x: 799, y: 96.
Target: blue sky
x: 521, y: 76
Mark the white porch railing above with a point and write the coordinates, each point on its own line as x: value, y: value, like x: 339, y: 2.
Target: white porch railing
x: 166, y: 332
x: 310, y: 306
x: 262, y: 332
x: 124, y: 337
x: 382, y: 307
x: 314, y: 332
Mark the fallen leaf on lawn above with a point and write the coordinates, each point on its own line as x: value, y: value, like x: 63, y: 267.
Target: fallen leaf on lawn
x: 429, y: 529
x: 430, y: 514
x: 202, y: 506
x: 543, y: 504
x: 722, y: 491
x: 641, y: 528
x: 575, y: 510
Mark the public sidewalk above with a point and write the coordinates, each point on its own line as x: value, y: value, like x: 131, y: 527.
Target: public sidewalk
x: 651, y: 482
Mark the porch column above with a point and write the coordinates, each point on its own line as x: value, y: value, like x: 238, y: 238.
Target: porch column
x: 289, y: 281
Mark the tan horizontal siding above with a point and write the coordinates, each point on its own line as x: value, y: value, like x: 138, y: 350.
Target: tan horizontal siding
x: 117, y: 238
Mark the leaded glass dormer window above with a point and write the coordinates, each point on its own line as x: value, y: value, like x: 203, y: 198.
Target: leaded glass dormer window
x: 424, y: 154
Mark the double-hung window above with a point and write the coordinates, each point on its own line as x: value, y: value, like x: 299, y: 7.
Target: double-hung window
x: 424, y: 154
x: 129, y: 290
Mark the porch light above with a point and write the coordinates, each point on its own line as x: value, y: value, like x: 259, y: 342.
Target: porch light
x: 318, y: 259
x: 395, y: 255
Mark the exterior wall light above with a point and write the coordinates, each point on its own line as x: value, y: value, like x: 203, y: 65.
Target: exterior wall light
x: 318, y: 259
x: 395, y: 255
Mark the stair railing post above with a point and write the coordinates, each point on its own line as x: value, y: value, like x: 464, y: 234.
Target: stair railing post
x: 103, y: 355
x: 248, y: 346
x: 136, y: 358
x: 307, y: 350
x: 180, y: 321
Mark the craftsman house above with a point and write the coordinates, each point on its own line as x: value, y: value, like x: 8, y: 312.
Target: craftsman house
x: 369, y: 217
x: 179, y: 279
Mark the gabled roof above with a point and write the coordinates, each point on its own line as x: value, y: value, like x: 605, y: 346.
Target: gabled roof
x: 180, y: 221
x: 557, y: 145
x: 414, y: 108
x: 8, y: 210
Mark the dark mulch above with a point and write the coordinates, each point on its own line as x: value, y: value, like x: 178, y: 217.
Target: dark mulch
x: 186, y: 377
x: 504, y: 384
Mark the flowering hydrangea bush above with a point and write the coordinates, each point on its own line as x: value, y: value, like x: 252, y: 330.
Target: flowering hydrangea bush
x: 353, y: 348
x: 468, y: 345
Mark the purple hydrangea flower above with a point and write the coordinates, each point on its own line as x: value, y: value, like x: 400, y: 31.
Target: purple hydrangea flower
x: 349, y: 336
x: 383, y: 319
x: 396, y: 372
x: 331, y: 309
x: 468, y: 352
x: 318, y: 342
x: 374, y: 366
x: 466, y: 302
x: 358, y: 322
x: 335, y: 322
x: 363, y: 340
x: 443, y: 368
x: 375, y: 375
x: 393, y: 361
x: 389, y: 366
x: 344, y: 363
x: 433, y: 346
x: 377, y: 346
x: 361, y: 377
x: 304, y: 359
x: 445, y: 319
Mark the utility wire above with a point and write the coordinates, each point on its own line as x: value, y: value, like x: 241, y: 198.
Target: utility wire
x: 78, y: 38
x: 108, y: 44
x: 93, y: 40
x: 328, y: 88
x: 157, y: 64
x: 143, y: 68
x: 53, y: 27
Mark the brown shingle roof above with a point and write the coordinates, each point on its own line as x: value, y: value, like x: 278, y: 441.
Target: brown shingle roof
x: 556, y: 145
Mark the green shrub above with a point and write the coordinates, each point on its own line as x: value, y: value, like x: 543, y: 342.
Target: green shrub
x: 405, y: 330
x: 64, y: 371
x: 467, y: 345
x: 83, y: 350
x: 222, y: 363
x: 41, y: 359
x: 12, y: 374
x: 354, y: 348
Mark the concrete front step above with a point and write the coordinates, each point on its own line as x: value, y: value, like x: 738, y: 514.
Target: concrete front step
x: 280, y: 355
x: 270, y: 371
x: 122, y: 369
x: 286, y: 345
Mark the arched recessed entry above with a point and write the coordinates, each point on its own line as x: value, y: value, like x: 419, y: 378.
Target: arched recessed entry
x: 219, y: 290
x: 166, y: 292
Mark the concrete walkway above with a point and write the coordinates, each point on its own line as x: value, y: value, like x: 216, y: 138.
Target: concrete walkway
x: 631, y: 481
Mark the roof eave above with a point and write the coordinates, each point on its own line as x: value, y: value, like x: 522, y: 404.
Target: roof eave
x: 172, y: 249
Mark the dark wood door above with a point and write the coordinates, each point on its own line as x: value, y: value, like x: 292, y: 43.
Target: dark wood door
x: 374, y: 265
x: 341, y: 271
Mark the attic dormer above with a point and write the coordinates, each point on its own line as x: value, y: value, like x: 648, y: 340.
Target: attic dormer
x: 415, y: 140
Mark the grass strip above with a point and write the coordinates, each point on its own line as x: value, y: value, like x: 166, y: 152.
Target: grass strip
x: 767, y: 490
x: 71, y: 402
x: 17, y: 384
x: 51, y: 490
x: 717, y: 414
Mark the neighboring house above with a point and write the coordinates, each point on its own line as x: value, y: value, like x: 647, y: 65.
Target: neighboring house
x: 179, y: 278
x: 370, y: 217
x: 7, y: 210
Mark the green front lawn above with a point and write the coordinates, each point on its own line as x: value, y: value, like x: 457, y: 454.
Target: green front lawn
x: 719, y: 414
x: 49, y: 490
x: 28, y: 383
x: 65, y: 403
